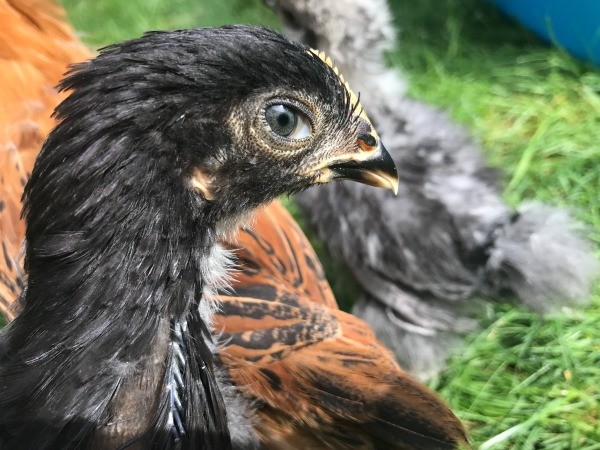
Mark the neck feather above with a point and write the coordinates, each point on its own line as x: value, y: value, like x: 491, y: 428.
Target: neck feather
x: 111, y: 258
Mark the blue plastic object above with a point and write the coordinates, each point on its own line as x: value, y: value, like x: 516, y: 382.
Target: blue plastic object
x: 572, y: 24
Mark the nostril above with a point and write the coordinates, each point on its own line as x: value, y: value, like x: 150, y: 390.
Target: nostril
x: 367, y: 142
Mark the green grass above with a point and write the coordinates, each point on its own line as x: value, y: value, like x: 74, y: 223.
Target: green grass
x: 536, y: 108
x: 523, y: 382
x: 104, y: 22
x: 528, y: 383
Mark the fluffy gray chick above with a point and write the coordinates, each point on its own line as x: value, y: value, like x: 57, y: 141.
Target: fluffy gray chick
x: 421, y: 256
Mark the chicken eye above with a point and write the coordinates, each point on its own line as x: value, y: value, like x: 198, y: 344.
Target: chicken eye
x: 286, y: 122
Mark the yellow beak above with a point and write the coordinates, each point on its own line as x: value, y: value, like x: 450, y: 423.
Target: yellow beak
x: 378, y: 169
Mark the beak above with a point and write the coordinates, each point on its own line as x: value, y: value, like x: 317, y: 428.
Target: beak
x: 378, y: 169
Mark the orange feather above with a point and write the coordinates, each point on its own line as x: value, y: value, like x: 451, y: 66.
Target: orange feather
x: 37, y: 46
x: 319, y: 377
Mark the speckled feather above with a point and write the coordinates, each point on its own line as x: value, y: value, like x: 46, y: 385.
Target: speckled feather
x: 317, y: 376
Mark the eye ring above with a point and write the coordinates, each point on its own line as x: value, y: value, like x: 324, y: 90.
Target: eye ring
x: 288, y: 122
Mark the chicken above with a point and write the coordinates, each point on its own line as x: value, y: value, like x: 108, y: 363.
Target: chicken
x: 423, y: 256
x: 62, y: 229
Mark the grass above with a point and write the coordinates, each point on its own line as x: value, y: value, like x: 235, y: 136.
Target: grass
x: 523, y: 382
x: 104, y: 22
x: 536, y: 108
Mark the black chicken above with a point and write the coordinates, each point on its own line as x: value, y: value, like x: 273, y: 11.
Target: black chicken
x: 164, y: 143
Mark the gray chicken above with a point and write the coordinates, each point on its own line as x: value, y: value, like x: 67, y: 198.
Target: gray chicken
x: 423, y: 255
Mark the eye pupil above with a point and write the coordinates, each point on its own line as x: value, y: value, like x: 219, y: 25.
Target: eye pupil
x: 281, y: 119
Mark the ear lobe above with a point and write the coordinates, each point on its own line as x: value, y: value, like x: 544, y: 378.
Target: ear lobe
x: 203, y: 183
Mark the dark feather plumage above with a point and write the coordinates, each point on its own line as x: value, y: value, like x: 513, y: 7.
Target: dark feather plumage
x: 420, y: 257
x: 112, y: 346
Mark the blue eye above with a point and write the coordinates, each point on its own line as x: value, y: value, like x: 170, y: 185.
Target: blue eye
x: 287, y: 122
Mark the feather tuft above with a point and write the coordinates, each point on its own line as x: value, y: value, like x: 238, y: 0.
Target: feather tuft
x: 544, y: 257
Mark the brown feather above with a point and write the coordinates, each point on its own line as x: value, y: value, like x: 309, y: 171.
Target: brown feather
x: 318, y: 375
x: 37, y: 46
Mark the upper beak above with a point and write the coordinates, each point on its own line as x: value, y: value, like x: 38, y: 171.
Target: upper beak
x: 378, y: 169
